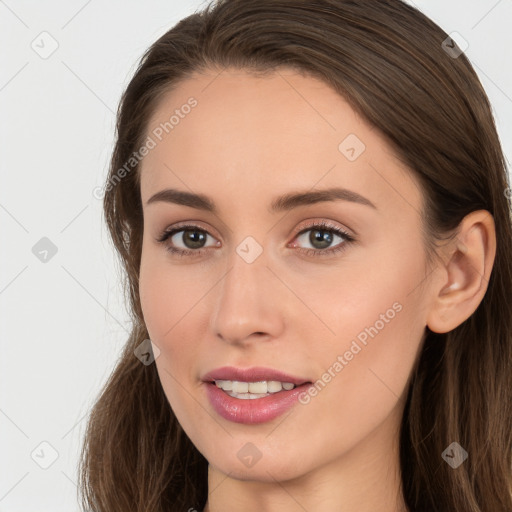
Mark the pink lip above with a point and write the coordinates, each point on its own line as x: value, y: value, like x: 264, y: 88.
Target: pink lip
x: 257, y: 410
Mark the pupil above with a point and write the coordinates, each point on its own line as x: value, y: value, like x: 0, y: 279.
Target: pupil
x: 196, y: 238
x: 318, y: 235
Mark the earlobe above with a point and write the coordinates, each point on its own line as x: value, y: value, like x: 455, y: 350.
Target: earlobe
x: 465, y: 276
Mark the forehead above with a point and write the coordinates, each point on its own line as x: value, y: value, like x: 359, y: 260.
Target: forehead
x: 232, y: 133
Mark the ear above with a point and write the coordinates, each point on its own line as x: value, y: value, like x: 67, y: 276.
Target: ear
x: 463, y: 280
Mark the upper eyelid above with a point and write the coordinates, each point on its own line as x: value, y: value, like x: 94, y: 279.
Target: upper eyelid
x: 176, y: 228
x: 326, y: 224
x: 310, y: 225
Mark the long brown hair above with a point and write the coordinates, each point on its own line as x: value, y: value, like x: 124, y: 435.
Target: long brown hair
x: 399, y: 71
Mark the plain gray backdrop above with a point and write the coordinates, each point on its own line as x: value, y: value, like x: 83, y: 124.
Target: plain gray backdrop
x: 63, y: 323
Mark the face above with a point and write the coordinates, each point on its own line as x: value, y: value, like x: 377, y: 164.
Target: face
x: 326, y: 288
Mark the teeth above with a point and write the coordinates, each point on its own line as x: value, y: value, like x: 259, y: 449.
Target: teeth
x: 257, y: 387
x: 226, y: 385
x: 273, y: 386
x: 253, y: 389
x: 240, y: 387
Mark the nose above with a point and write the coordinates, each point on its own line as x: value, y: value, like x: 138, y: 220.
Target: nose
x: 249, y: 302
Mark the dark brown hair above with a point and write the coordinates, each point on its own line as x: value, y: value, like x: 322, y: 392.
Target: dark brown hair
x: 389, y: 62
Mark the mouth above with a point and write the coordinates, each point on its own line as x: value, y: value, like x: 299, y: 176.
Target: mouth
x: 253, y: 395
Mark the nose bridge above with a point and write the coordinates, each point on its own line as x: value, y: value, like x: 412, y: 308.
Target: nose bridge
x: 246, y: 301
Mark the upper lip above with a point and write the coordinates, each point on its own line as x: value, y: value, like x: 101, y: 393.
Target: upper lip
x: 253, y: 374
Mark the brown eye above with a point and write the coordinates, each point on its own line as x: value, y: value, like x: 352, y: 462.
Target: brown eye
x: 321, y: 237
x: 185, y: 240
x: 191, y: 238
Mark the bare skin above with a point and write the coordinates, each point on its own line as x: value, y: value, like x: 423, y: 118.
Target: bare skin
x: 249, y: 140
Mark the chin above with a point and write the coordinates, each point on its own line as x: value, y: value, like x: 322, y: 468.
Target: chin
x: 269, y: 467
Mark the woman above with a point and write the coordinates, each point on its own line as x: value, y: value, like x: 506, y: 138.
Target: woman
x: 310, y: 203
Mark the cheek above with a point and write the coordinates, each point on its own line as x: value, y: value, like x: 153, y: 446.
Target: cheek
x: 167, y: 295
x: 173, y: 304
x: 167, y: 302
x: 379, y: 326
x: 156, y: 300
x: 364, y: 372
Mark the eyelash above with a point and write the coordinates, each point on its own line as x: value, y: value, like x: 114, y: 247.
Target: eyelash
x: 320, y: 226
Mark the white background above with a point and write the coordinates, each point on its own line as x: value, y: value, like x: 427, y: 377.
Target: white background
x: 63, y: 322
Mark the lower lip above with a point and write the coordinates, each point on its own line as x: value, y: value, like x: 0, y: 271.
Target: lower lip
x: 255, y: 410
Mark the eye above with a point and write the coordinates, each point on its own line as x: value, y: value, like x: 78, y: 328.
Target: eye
x: 192, y: 237
x: 321, y: 236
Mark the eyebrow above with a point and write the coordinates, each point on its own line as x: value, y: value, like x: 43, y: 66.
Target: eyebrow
x: 282, y: 203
